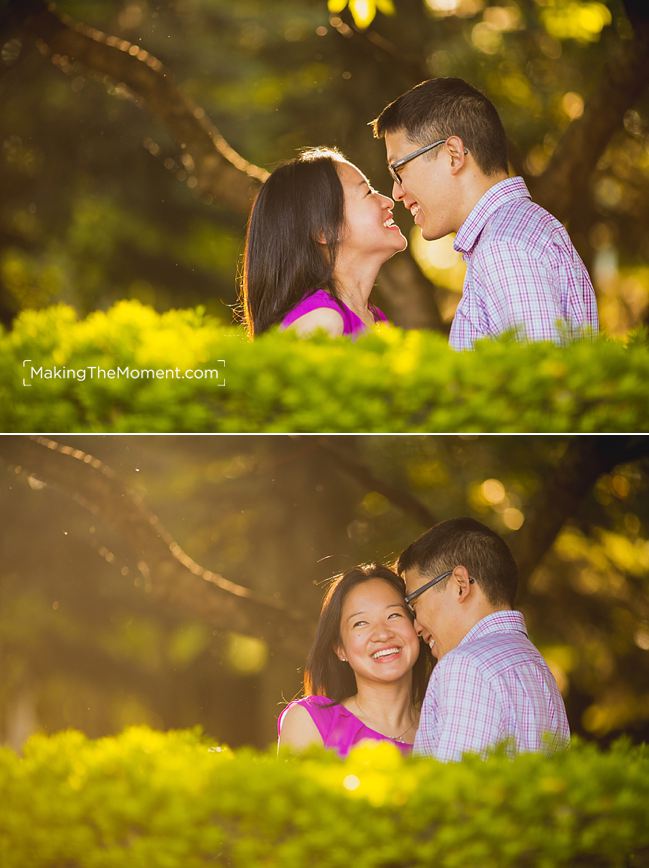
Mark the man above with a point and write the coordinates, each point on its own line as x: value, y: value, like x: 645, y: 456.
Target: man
x: 490, y: 682
x: 447, y: 155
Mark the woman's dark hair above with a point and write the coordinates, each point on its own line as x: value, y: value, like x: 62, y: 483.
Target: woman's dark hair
x: 325, y: 674
x: 292, y: 237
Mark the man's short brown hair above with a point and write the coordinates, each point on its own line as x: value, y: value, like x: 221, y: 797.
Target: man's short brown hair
x: 471, y: 544
x: 443, y: 107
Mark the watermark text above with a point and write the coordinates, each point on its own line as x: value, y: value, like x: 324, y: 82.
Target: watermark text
x: 34, y: 372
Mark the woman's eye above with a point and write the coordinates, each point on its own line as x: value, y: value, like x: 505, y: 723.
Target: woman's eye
x: 360, y: 623
x: 395, y: 615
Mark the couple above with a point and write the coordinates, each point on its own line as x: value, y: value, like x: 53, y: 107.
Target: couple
x: 318, y: 232
x: 365, y: 677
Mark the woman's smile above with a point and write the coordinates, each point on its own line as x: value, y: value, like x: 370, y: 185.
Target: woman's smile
x: 386, y: 655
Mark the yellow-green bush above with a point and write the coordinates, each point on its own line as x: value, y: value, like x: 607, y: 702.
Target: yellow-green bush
x: 388, y: 381
x: 146, y: 799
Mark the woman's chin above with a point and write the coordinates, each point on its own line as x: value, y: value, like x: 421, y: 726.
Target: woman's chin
x: 403, y: 245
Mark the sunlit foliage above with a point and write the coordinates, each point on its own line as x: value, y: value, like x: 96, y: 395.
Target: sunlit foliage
x: 387, y: 381
x: 127, y: 800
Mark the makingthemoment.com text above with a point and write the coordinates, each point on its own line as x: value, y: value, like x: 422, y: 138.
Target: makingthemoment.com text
x: 96, y: 372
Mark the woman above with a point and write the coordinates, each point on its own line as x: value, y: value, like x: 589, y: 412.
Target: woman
x: 317, y: 236
x: 365, y: 677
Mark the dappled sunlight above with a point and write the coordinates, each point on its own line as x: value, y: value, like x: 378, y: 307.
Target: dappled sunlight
x: 572, y: 104
x: 569, y: 19
x: 492, y: 497
x: 245, y: 655
x: 615, y: 712
x: 372, y: 773
x: 442, y: 265
x: 562, y: 660
x: 493, y: 491
x: 461, y: 8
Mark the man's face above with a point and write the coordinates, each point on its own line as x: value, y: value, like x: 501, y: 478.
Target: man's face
x: 426, y: 188
x: 437, y: 613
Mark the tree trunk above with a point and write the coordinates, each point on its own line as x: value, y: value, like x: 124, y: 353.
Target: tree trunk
x: 563, y: 186
x: 583, y: 462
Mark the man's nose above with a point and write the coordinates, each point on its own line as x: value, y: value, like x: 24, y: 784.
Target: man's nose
x: 419, y: 630
x: 397, y: 191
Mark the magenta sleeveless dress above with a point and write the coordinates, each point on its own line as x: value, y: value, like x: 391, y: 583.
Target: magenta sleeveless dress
x: 353, y: 325
x: 339, y: 728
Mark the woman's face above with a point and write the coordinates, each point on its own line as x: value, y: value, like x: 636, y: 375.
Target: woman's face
x: 377, y: 635
x: 369, y: 227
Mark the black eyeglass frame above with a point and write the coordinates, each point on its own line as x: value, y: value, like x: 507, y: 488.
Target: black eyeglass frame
x: 408, y: 599
x: 392, y: 167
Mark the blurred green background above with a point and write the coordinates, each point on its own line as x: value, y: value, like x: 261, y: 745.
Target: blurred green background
x: 99, y: 202
x: 108, y: 616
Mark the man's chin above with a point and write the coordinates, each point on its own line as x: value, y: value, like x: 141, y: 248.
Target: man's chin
x: 431, y: 234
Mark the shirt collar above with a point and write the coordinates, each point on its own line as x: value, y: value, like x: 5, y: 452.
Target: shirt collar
x: 501, y: 193
x: 506, y: 621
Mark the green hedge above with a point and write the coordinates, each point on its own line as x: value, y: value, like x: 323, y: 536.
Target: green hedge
x: 146, y: 799
x: 388, y: 381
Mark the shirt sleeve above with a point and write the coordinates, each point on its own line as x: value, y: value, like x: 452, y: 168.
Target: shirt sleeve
x: 518, y: 292
x: 466, y: 712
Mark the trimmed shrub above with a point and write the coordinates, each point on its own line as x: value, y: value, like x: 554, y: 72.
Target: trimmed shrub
x: 153, y: 800
x: 387, y: 381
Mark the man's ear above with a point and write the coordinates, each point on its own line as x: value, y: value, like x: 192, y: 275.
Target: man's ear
x: 458, y: 153
x: 463, y: 583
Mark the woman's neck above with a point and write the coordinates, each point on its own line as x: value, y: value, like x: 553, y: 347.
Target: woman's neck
x: 387, y: 708
x: 355, y: 280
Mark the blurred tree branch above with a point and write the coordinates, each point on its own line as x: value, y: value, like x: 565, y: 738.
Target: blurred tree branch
x: 558, y: 500
x: 213, y: 167
x: 169, y: 573
x: 563, y: 186
x: 584, y: 461
x: 211, y: 164
x: 396, y: 494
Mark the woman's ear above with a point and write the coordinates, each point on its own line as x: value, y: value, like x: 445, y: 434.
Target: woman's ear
x: 340, y: 654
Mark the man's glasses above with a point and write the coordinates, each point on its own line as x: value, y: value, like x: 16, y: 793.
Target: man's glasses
x: 409, y: 598
x: 392, y: 167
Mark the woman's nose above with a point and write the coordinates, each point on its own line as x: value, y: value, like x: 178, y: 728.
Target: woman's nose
x: 387, y: 202
x: 380, y: 632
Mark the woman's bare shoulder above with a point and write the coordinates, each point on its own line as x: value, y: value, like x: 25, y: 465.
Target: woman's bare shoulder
x: 298, y: 729
x: 321, y: 318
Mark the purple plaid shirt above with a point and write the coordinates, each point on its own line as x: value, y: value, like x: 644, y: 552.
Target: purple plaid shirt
x: 494, y: 685
x: 522, y: 272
